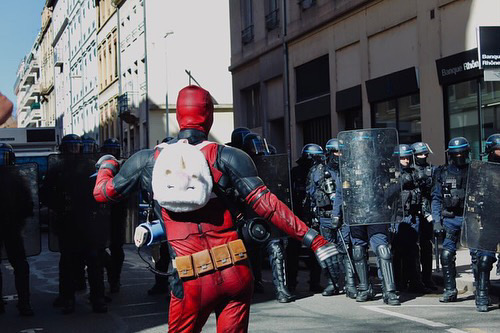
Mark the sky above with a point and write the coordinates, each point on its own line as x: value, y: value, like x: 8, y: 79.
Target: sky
x: 20, y: 22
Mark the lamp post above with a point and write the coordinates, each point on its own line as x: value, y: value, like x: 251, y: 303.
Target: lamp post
x: 167, y: 125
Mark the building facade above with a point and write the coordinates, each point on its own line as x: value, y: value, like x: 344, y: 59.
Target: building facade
x: 340, y: 65
x: 47, y: 92
x: 27, y: 89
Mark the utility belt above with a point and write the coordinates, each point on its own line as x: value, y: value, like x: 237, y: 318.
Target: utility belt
x: 452, y: 212
x: 208, y: 261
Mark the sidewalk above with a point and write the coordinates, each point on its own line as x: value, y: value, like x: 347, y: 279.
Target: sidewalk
x: 465, y: 277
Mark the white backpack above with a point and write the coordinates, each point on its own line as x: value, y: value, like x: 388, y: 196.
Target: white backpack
x: 181, y: 178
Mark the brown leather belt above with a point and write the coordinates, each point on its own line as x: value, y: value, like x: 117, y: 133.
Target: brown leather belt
x: 208, y: 261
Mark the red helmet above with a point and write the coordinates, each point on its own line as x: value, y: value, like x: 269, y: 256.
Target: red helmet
x: 195, y: 109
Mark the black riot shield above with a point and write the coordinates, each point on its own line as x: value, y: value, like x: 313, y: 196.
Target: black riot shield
x: 76, y: 219
x: 20, y: 206
x: 274, y: 171
x: 481, y: 225
x: 369, y: 173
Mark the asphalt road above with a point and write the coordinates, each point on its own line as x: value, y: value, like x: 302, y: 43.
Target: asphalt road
x: 132, y: 310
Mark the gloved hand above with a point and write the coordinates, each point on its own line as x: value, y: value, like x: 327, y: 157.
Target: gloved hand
x: 141, y: 236
x: 108, y: 162
x: 438, y: 227
x: 326, y: 253
x: 336, y: 222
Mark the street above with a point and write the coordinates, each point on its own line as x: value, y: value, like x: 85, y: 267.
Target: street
x: 132, y: 310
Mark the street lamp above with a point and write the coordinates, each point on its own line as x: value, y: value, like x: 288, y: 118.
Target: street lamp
x: 167, y: 130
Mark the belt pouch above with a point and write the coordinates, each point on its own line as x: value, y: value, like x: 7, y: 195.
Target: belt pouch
x: 184, y: 267
x: 238, y: 250
x: 202, y: 262
x: 221, y: 255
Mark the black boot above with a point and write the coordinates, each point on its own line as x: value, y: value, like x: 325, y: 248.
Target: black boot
x: 277, y: 261
x: 484, y: 266
x: 68, y: 306
x: 449, y: 274
x: 365, y: 291
x: 388, y: 285
x: 99, y: 305
x: 331, y: 289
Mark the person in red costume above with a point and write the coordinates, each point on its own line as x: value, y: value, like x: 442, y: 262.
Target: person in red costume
x: 207, y: 273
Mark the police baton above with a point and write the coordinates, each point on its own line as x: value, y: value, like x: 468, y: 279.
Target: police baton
x: 436, y: 251
x: 347, y: 254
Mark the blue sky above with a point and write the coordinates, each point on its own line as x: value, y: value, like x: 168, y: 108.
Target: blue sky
x: 20, y: 22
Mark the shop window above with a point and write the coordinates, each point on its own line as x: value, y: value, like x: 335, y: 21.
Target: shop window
x: 401, y: 113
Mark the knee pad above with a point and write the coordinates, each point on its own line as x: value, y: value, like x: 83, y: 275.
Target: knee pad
x: 383, y: 252
x: 358, y: 252
x: 447, y: 256
x: 485, y: 263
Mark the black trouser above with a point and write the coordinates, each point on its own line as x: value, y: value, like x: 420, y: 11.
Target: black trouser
x: 425, y: 240
x: 68, y: 271
x: 114, y: 262
x: 14, y: 246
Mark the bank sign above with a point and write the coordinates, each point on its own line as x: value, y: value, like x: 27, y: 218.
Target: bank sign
x: 458, y: 67
x: 488, y: 46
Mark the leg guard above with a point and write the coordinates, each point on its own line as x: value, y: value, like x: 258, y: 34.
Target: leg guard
x: 350, y: 283
x: 484, y: 266
x: 359, y: 255
x: 385, y: 265
x: 449, y: 274
x: 277, y: 260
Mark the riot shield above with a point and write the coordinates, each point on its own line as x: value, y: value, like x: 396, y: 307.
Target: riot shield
x: 369, y: 172
x: 481, y: 225
x: 76, y: 219
x: 274, y: 171
x: 20, y: 206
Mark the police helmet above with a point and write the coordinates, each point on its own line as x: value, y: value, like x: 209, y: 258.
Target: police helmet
x: 237, y: 137
x: 458, y: 145
x: 403, y: 150
x: 71, y: 144
x: 7, y: 156
x: 312, y: 151
x: 254, y: 144
x: 111, y: 146
x: 458, y: 150
x: 493, y: 143
x: 89, y: 146
x: 420, y: 148
x: 332, y: 145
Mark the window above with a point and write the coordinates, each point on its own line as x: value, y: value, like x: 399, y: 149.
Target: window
x: 251, y: 102
x: 247, y: 20
x: 272, y: 17
x: 402, y: 114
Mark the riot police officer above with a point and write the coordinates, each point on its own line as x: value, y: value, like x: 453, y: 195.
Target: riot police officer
x: 424, y: 175
x: 405, y: 243
x: 343, y: 234
x: 254, y: 145
x: 80, y: 226
x: 375, y: 235
x: 448, y: 197
x: 301, y: 208
x: 482, y: 261
x: 16, y: 205
x: 89, y: 145
x: 321, y: 193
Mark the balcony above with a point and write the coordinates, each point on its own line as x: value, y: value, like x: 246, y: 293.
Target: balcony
x: 272, y: 20
x: 128, y: 107
x: 247, y: 34
x: 58, y: 61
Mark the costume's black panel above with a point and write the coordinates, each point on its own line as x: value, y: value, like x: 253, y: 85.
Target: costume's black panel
x: 369, y: 171
x: 481, y: 226
x: 67, y: 191
x: 20, y: 205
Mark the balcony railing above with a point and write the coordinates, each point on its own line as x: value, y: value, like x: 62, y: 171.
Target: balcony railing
x: 247, y: 34
x: 128, y: 107
x: 272, y: 20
